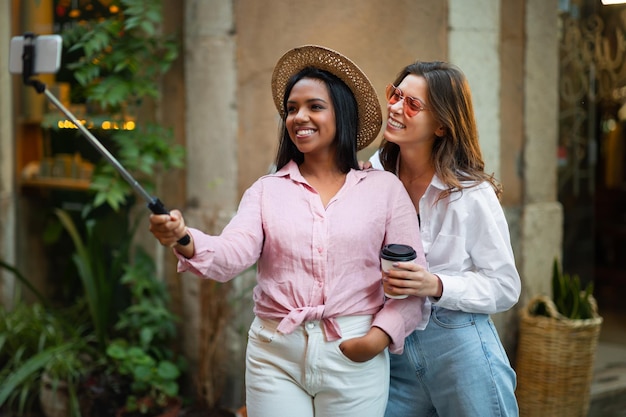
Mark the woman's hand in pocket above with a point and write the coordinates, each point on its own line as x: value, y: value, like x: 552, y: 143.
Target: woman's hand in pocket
x: 364, y: 348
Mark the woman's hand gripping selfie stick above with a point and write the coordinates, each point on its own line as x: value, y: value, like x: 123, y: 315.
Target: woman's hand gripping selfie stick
x: 154, y: 204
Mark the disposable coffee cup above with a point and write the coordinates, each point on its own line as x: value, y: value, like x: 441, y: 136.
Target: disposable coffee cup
x: 395, y: 253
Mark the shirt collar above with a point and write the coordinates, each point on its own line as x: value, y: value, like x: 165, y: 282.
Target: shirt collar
x: 291, y: 170
x: 437, y: 183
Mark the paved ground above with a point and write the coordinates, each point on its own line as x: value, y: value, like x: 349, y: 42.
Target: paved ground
x: 608, y: 391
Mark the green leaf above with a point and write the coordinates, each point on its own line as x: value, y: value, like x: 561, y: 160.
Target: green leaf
x: 167, y: 370
x: 24, y: 281
x: 569, y: 298
x: 142, y: 372
x: 170, y: 388
x: 31, y: 366
x: 575, y: 294
x: 148, y: 27
x: 116, y: 351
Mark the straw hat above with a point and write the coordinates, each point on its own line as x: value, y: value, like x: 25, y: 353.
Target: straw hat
x: 370, y: 115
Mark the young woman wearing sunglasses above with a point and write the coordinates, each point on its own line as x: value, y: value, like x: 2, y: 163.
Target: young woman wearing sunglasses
x: 457, y: 366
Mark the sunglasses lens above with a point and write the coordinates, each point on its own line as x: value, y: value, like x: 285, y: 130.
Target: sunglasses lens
x: 393, y: 94
x: 411, y: 106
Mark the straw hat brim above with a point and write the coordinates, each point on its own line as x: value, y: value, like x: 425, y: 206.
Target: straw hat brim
x: 293, y: 61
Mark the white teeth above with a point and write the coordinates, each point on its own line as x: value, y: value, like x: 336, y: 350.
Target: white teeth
x: 305, y: 132
x: 395, y: 124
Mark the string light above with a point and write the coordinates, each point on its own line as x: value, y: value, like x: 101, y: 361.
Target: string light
x: 105, y: 125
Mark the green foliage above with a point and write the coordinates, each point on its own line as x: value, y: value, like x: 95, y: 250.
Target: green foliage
x: 109, y: 188
x: 148, y: 320
x: 23, y: 281
x: 134, y: 342
x: 146, y: 328
x: 21, y: 378
x: 35, y: 340
x: 570, y: 299
x: 99, y: 274
x: 124, y: 55
x: 124, y: 58
x: 146, y: 152
x: 151, y: 377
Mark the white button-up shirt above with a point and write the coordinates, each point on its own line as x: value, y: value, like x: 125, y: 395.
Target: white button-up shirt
x: 467, y: 244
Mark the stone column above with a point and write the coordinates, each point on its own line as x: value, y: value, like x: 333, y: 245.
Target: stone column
x: 7, y: 166
x: 211, y: 182
x: 474, y: 42
x: 509, y: 54
x: 542, y: 223
x: 211, y: 125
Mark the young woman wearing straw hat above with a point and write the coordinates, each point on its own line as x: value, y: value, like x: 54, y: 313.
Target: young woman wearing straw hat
x: 315, y: 228
x: 456, y: 367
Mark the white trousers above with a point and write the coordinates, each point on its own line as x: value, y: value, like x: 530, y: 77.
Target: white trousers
x: 302, y: 375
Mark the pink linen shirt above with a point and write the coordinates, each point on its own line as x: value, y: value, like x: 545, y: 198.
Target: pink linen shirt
x: 316, y: 262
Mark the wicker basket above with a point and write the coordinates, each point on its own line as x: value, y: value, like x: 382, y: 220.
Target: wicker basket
x: 555, y: 361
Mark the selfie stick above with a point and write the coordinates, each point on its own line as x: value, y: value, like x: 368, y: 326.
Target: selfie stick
x: 154, y: 204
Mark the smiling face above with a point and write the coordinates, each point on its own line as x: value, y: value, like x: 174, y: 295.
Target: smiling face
x: 420, y: 128
x: 310, y: 119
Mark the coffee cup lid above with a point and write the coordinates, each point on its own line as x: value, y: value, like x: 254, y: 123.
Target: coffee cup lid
x: 398, y: 252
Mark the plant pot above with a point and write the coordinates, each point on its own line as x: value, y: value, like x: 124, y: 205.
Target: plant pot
x: 172, y: 409
x: 555, y: 361
x: 54, y: 398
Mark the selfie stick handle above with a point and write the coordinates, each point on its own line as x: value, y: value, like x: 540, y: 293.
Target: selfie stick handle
x: 154, y: 204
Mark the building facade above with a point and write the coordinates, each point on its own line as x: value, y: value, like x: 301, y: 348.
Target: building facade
x: 217, y: 99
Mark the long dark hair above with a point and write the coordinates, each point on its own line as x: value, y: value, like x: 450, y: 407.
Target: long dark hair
x: 456, y: 155
x: 346, y: 121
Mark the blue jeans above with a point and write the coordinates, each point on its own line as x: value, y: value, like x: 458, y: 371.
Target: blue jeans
x: 456, y: 367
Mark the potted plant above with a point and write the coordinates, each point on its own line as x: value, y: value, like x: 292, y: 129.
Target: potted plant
x: 62, y: 377
x: 44, y: 360
x: 556, y: 349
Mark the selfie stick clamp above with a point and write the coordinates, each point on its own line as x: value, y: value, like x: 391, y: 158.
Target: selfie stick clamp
x: 28, y: 61
x: 154, y: 204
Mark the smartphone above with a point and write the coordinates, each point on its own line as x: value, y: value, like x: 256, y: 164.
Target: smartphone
x: 47, y: 54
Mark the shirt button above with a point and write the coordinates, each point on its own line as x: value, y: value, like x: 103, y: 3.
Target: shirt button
x: 310, y: 325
